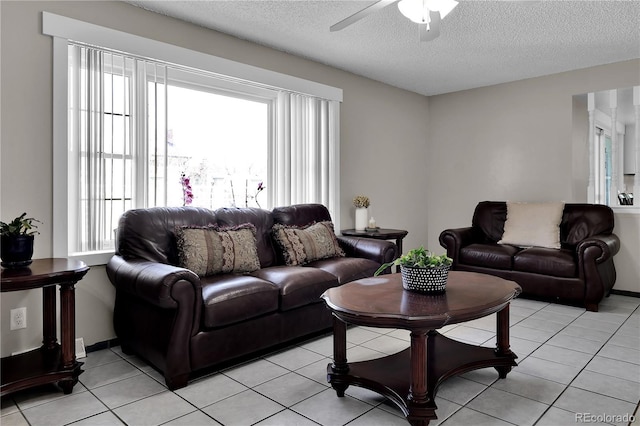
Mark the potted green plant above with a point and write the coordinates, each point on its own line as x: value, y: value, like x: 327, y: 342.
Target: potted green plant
x: 16, y: 241
x: 421, y: 270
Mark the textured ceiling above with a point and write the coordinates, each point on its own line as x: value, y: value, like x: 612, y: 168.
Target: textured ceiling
x: 481, y: 42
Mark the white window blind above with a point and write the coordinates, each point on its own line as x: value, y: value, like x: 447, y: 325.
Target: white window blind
x: 305, y: 157
x: 111, y: 139
x: 108, y: 114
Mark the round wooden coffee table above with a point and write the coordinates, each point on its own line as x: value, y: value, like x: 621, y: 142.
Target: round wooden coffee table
x: 411, y: 377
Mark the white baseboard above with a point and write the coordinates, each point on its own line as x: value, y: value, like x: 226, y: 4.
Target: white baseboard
x: 80, y: 349
x: 24, y: 351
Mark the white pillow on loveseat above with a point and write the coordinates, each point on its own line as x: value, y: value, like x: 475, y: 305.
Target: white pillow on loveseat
x: 533, y: 224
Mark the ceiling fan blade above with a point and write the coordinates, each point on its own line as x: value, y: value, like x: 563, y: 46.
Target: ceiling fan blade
x: 361, y: 14
x: 434, y: 28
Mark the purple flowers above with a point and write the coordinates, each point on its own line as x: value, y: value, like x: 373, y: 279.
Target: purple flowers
x: 187, y: 193
x: 260, y: 188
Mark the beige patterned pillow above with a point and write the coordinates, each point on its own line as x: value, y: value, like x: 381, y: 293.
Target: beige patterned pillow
x: 211, y: 250
x: 533, y: 224
x: 304, y: 245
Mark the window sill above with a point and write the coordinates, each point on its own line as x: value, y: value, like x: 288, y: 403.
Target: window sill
x: 94, y: 258
x: 626, y: 210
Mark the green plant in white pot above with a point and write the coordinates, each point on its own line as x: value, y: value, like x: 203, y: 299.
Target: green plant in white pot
x: 421, y: 270
x: 16, y: 239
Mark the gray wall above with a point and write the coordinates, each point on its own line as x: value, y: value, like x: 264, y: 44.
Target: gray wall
x: 520, y: 141
x: 424, y: 162
x: 374, y: 117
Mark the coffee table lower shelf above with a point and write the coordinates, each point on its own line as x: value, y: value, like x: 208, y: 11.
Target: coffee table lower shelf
x: 390, y: 376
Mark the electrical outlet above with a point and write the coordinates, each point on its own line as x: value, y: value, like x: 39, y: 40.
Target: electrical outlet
x: 18, y: 318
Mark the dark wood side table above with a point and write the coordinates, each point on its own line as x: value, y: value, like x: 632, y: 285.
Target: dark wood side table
x: 380, y: 234
x: 52, y: 362
x: 411, y: 377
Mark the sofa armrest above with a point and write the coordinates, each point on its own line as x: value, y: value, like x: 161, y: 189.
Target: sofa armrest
x: 379, y: 251
x: 454, y: 239
x: 166, y: 296
x: 596, y: 268
x: 153, y: 282
x: 600, y: 248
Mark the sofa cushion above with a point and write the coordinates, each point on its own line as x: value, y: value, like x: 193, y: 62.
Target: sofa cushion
x: 298, y: 285
x: 533, y: 224
x: 210, y: 250
x: 229, y: 299
x: 149, y: 234
x: 301, y: 214
x: 304, y: 245
x: 261, y: 219
x: 546, y: 261
x: 582, y: 221
x: 488, y: 255
x: 488, y: 218
x: 347, y: 269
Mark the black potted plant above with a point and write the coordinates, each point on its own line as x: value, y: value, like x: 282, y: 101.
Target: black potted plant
x: 422, y: 271
x: 16, y: 239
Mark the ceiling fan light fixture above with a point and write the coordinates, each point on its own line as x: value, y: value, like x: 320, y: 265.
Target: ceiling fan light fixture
x: 418, y: 10
x: 442, y: 6
x: 415, y: 10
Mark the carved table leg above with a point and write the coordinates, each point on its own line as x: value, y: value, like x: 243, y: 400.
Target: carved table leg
x: 502, y: 343
x: 339, y: 365
x: 418, y: 386
x: 418, y: 397
x: 67, y: 385
x: 49, y: 318
x: 68, y: 324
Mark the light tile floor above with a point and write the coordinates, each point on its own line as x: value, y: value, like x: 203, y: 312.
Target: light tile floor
x: 572, y: 363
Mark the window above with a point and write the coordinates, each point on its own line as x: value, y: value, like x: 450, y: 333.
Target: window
x: 604, y: 166
x: 220, y: 142
x: 613, y: 116
x: 127, y: 128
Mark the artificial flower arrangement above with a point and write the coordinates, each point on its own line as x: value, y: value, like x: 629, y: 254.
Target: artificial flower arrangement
x: 187, y: 192
x: 361, y: 201
x: 261, y: 188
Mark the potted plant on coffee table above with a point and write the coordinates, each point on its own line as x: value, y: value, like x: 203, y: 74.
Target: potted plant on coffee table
x: 16, y: 241
x: 422, y: 271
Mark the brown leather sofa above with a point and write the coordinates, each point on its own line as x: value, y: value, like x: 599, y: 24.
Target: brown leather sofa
x: 581, y: 272
x: 181, y: 323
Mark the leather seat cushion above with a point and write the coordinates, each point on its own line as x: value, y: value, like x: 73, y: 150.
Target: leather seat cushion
x: 497, y: 256
x: 346, y: 269
x: 298, y: 285
x: 545, y: 261
x: 233, y: 298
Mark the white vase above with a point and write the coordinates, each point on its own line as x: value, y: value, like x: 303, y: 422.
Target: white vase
x: 361, y: 218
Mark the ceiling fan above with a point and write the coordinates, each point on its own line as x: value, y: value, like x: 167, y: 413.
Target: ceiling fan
x: 426, y: 13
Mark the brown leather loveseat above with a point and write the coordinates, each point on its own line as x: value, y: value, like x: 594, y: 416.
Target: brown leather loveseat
x: 181, y: 322
x: 580, y: 272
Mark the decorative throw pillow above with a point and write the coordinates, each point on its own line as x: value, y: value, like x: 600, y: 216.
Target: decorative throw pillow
x: 306, y: 244
x: 533, y: 224
x: 211, y: 250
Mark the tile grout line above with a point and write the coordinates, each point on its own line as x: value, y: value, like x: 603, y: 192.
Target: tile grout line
x: 610, y: 335
x: 583, y: 369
